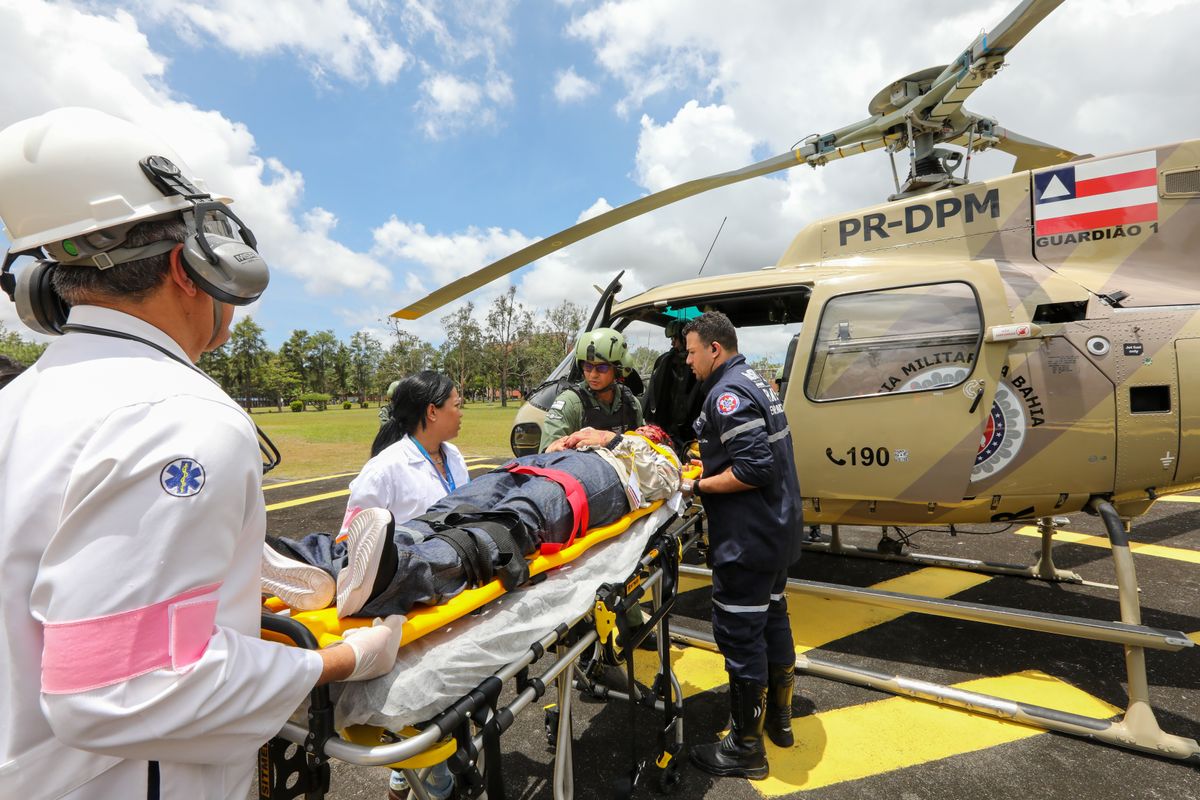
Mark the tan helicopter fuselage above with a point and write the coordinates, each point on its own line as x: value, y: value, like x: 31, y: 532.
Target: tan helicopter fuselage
x: 1005, y: 349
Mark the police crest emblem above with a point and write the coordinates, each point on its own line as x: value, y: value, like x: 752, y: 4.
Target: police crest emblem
x: 727, y: 404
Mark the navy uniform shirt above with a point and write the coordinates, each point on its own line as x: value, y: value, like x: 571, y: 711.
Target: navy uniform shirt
x: 742, y: 424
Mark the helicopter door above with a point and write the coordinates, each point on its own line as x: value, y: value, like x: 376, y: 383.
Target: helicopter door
x: 603, y: 308
x: 898, y: 392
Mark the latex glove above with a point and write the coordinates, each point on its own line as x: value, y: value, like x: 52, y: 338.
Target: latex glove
x: 375, y: 648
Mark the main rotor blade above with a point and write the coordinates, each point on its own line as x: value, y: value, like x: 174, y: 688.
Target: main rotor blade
x: 1030, y: 153
x: 527, y: 255
x: 983, y: 58
x: 1013, y: 28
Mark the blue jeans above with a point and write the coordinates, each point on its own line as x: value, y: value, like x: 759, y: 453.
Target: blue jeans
x: 429, y: 572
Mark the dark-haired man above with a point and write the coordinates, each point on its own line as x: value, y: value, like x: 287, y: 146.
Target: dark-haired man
x: 751, y: 497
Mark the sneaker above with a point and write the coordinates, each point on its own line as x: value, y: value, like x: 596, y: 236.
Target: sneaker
x: 368, y: 533
x: 301, y: 586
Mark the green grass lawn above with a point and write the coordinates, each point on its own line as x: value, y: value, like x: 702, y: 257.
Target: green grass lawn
x: 315, y: 443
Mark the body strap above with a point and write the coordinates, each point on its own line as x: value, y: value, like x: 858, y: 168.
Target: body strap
x: 576, y: 498
x: 461, y: 527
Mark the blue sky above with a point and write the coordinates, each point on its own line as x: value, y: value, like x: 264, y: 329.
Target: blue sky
x: 382, y: 147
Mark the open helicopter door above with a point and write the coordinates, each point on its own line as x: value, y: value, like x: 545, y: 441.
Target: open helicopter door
x: 893, y: 383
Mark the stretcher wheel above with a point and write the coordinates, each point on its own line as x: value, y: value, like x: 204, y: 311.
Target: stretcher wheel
x: 668, y: 779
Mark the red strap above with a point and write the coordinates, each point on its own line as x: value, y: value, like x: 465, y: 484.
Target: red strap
x: 576, y: 497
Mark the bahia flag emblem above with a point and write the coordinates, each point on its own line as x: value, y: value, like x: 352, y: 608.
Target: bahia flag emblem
x: 1098, y: 194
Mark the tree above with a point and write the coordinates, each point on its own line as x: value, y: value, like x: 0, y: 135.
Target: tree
x: 408, y: 354
x: 279, y: 380
x: 17, y: 347
x: 506, y: 320
x: 322, y: 352
x: 461, y: 352
x: 642, y: 360
x: 365, y: 355
x: 341, y: 369
x: 247, y: 354
x: 295, y: 352
x: 563, y: 324
x: 218, y: 366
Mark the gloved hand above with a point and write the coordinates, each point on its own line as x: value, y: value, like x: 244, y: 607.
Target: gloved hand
x: 375, y: 648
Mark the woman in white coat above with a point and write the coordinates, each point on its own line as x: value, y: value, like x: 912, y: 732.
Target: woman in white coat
x: 412, y: 466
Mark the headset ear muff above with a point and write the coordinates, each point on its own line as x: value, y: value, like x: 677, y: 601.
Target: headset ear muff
x: 236, y: 273
x: 38, y: 305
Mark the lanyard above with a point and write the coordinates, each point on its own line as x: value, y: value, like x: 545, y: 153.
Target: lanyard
x: 447, y: 480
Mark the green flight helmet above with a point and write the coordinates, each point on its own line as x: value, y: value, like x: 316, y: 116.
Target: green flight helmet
x: 391, y: 390
x: 603, y: 344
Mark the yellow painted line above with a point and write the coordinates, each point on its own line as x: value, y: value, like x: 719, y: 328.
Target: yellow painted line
x: 1195, y: 637
x: 815, y: 622
x: 316, y: 498
x: 1157, y: 550
x: 1181, y: 498
x: 873, y: 738
x: 308, y: 480
x: 485, y: 466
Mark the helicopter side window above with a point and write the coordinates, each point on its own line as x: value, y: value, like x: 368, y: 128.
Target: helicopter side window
x: 912, y: 339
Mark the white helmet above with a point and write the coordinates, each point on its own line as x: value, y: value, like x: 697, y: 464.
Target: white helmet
x: 75, y: 171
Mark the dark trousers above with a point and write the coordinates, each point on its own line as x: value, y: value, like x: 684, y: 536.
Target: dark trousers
x: 750, y: 621
x: 428, y: 571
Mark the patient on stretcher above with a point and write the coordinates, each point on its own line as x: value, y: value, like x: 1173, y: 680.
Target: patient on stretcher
x: 482, y: 530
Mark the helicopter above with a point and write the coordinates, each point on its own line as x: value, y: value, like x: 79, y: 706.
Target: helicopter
x: 968, y: 351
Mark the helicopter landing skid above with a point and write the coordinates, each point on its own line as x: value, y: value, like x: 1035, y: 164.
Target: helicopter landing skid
x: 890, y: 549
x: 1137, y: 729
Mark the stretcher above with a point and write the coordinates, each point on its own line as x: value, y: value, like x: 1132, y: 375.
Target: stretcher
x: 451, y: 711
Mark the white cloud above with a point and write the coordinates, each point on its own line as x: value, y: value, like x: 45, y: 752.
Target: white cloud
x: 434, y: 259
x: 349, y: 38
x: 458, y: 94
x: 571, y: 87
x: 104, y: 61
x: 462, y: 84
x: 450, y: 103
x: 700, y: 140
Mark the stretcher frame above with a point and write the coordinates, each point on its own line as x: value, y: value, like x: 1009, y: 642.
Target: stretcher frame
x: 295, y: 763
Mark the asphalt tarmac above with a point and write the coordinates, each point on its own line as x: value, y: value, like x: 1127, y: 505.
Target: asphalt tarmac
x: 854, y: 742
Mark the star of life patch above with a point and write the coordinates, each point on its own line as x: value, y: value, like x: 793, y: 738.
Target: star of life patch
x: 727, y: 404
x: 183, y: 477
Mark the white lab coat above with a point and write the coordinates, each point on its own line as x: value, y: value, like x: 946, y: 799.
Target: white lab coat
x: 403, y: 481
x: 90, y: 532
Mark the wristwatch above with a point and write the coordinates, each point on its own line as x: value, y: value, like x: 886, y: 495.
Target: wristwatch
x: 696, y: 487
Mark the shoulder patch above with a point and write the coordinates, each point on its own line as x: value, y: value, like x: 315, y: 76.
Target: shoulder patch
x: 183, y: 477
x: 727, y: 404
x: 557, y: 405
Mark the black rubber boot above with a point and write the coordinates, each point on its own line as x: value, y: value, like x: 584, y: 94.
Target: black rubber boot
x: 741, y: 753
x: 780, y: 680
